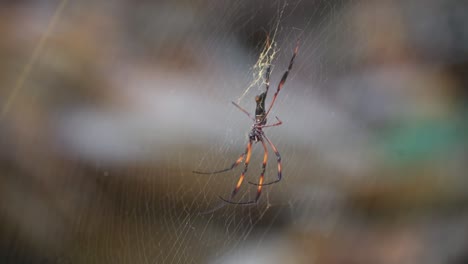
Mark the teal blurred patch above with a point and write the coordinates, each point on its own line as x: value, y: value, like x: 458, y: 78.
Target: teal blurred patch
x: 423, y: 141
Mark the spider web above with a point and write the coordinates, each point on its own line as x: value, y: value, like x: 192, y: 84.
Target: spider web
x: 117, y: 186
x: 265, y: 59
x: 246, y: 229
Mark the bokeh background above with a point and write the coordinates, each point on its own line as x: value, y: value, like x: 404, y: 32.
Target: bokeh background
x: 108, y: 106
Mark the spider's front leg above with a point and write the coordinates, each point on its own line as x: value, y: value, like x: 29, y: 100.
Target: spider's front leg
x: 243, y: 110
x: 283, y: 79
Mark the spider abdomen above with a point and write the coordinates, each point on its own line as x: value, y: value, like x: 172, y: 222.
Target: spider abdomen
x: 255, y: 134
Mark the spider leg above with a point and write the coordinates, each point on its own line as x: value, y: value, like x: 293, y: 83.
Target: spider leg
x: 283, y: 79
x: 278, y: 157
x: 221, y: 205
x: 260, y: 180
x: 237, y: 162
x: 241, y: 178
x: 262, y: 175
x: 243, y: 110
x: 248, y: 152
x: 241, y: 203
x: 275, y: 124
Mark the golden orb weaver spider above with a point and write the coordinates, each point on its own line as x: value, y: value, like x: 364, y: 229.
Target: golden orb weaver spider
x: 257, y: 135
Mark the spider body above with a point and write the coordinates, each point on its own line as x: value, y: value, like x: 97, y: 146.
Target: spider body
x: 260, y: 118
x: 256, y: 134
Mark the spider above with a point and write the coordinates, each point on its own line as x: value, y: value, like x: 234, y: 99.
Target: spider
x: 256, y: 134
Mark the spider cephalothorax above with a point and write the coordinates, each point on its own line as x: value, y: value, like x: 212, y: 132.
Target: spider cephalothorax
x: 257, y: 135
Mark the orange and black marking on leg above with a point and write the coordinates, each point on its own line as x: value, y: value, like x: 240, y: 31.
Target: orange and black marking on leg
x: 265, y: 160
x: 241, y: 178
x: 278, y: 158
x: 235, y: 164
x: 285, y: 76
x: 256, y: 134
x: 262, y: 175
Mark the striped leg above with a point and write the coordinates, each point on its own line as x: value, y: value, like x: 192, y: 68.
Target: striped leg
x: 262, y: 175
x: 238, y: 161
x: 278, y: 158
x: 241, y: 178
x: 283, y: 79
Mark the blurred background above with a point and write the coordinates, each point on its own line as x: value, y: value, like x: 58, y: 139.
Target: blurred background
x: 106, y: 108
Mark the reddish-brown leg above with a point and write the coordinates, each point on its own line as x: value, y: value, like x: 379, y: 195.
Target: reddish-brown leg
x: 237, y: 162
x: 262, y: 175
x: 260, y: 180
x: 283, y: 79
x: 243, y: 110
x: 278, y: 158
x: 241, y: 178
